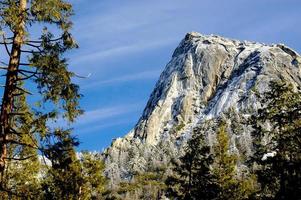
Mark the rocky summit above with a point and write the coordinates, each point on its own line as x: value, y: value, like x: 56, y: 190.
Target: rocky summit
x: 206, y: 77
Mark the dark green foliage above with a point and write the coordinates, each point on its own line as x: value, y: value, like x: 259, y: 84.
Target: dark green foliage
x: 94, y: 182
x: 148, y: 185
x: 192, y: 177
x: 73, y: 178
x: 38, y: 65
x: 231, y: 184
x: 277, y: 133
x: 210, y: 174
x: 22, y: 179
x: 225, y: 166
x: 63, y: 180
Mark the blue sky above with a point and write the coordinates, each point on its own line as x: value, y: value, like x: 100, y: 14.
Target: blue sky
x: 124, y: 46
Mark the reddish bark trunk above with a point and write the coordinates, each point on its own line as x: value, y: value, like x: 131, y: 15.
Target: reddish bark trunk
x: 10, y: 86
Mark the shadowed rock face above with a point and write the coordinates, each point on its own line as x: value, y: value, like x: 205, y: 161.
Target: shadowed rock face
x: 206, y: 76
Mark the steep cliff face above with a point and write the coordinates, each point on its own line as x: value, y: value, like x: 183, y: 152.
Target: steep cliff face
x: 206, y: 76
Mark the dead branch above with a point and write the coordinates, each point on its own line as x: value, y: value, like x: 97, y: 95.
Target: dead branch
x: 23, y: 90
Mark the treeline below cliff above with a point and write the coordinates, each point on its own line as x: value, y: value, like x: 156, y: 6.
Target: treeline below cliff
x: 212, y: 170
x: 271, y: 171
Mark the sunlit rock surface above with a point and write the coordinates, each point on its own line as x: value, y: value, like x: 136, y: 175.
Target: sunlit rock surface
x: 207, y: 76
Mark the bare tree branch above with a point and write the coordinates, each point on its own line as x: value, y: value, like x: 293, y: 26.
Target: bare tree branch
x: 25, y: 158
x: 26, y: 77
x: 25, y: 64
x: 1, y: 67
x: 41, y: 41
x: 3, y: 63
x: 6, y: 47
x: 12, y: 141
x: 16, y: 113
x: 23, y: 90
x: 26, y: 71
x: 32, y: 45
x: 31, y: 51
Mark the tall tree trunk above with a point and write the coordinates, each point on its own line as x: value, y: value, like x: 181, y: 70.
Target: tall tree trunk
x: 10, y: 85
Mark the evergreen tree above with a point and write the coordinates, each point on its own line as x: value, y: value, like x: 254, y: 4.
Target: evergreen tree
x: 39, y: 65
x: 94, y: 182
x: 277, y: 143
x: 192, y: 177
x: 147, y: 185
x: 74, y: 178
x: 63, y: 179
x: 22, y: 179
x: 224, y: 165
x: 230, y: 184
x: 23, y: 169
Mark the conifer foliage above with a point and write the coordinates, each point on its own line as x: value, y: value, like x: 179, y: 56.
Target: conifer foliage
x: 193, y: 177
x: 231, y: 184
x: 224, y: 165
x: 277, y: 143
x: 210, y: 172
x: 94, y: 182
x: 147, y: 185
x: 36, y: 65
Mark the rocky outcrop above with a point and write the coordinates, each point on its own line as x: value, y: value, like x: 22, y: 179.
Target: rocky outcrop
x: 206, y: 76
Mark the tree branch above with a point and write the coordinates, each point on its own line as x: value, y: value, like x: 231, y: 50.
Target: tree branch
x: 27, y: 77
x: 3, y: 43
x: 32, y: 52
x: 11, y: 141
x: 16, y: 113
x: 32, y: 45
x: 23, y: 90
x: 6, y: 47
x: 25, y: 64
x: 26, y: 71
x: 25, y: 158
x: 1, y: 67
x: 41, y: 41
x: 3, y: 63
x: 14, y: 131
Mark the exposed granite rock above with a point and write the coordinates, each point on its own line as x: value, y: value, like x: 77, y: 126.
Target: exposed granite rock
x: 206, y: 76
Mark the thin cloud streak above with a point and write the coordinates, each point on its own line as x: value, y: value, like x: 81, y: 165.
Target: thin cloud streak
x: 90, y: 129
x: 101, y: 114
x: 122, y: 50
x: 123, y: 18
x: 146, y: 75
x: 117, y: 38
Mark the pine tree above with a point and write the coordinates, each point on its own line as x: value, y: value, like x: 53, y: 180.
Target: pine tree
x: 277, y: 143
x: 192, y: 177
x: 23, y: 169
x: 74, y: 178
x: 63, y: 179
x: 225, y: 166
x: 145, y: 185
x: 22, y: 179
x: 230, y: 183
x: 94, y: 181
x: 36, y: 65
x: 210, y: 172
